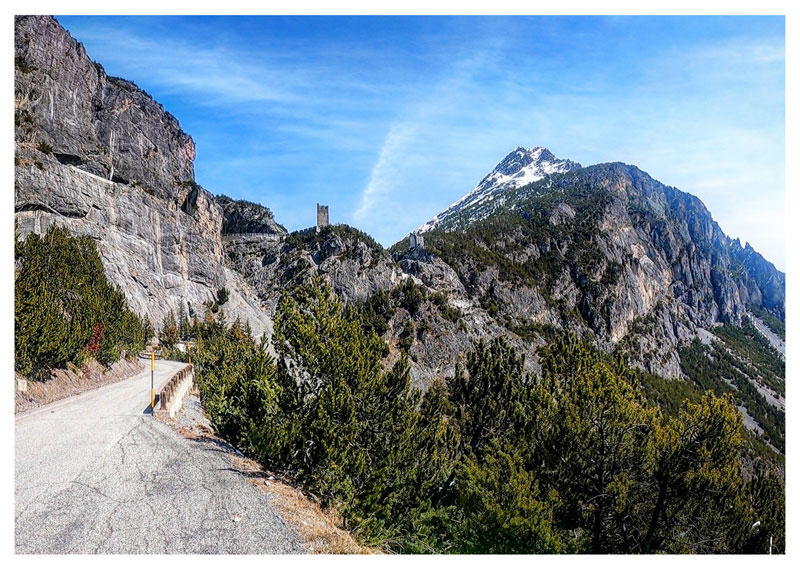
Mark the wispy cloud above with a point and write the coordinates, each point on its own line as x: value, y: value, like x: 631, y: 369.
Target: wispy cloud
x: 222, y: 75
x: 385, y: 170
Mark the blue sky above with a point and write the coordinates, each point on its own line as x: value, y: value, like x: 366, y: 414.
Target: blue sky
x: 389, y: 120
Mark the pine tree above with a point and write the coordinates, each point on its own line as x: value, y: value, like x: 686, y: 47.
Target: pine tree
x: 183, y: 322
x: 488, y: 399
x: 698, y: 487
x: 170, y: 334
x: 594, y: 433
x: 507, y: 510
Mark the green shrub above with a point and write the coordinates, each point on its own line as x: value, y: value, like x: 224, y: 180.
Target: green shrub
x: 408, y: 296
x: 65, y: 310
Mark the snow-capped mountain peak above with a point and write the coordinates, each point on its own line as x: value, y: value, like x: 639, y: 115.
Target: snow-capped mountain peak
x: 519, y: 168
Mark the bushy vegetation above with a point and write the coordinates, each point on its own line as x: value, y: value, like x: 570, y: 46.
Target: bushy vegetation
x: 409, y: 296
x: 490, y: 460
x: 378, y: 309
x: 306, y: 238
x: 170, y: 331
x: 65, y: 310
x: 449, y: 312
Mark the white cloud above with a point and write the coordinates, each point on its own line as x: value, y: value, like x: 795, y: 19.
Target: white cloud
x: 384, y: 173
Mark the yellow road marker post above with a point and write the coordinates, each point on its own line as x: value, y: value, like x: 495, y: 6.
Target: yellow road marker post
x: 152, y: 390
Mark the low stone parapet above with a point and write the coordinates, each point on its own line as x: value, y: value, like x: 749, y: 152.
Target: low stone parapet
x: 174, y: 391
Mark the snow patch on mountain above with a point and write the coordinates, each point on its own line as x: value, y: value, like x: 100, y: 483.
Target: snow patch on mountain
x: 517, y: 169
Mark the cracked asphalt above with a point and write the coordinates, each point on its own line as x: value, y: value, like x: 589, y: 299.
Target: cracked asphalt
x: 96, y: 473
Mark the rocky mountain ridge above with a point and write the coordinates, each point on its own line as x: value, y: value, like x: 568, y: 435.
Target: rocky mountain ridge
x: 602, y: 248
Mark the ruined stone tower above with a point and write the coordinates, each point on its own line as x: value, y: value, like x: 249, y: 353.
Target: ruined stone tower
x: 322, y: 216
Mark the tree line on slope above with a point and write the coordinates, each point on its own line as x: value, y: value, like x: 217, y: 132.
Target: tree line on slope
x: 776, y: 324
x: 722, y: 369
x: 489, y: 460
x: 65, y: 309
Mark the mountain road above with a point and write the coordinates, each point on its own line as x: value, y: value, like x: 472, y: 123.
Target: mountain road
x: 97, y: 473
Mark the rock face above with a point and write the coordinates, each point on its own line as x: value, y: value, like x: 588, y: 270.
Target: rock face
x: 609, y: 252
x: 98, y: 155
x: 242, y: 217
x: 104, y: 125
x: 352, y: 263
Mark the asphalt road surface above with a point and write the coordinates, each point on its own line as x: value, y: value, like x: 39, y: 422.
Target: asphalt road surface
x: 96, y: 473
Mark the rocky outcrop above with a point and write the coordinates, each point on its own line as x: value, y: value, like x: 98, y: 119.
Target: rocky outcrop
x: 357, y: 268
x: 769, y: 289
x: 352, y: 263
x: 98, y: 155
x: 242, y: 217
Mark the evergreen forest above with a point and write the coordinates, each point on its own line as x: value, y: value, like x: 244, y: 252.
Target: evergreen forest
x: 590, y: 457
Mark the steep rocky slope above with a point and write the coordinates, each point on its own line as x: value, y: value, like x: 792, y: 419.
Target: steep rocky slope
x: 609, y: 250
x: 242, y: 217
x: 436, y: 330
x: 100, y: 156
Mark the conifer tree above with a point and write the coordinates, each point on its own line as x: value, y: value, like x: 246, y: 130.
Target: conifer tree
x: 594, y: 433
x: 183, y: 322
x: 698, y: 493
x: 170, y: 334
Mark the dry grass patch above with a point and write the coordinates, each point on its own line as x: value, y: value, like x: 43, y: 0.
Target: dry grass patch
x: 64, y: 383
x: 319, y: 529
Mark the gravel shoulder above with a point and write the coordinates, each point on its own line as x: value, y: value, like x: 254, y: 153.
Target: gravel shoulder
x: 320, y: 531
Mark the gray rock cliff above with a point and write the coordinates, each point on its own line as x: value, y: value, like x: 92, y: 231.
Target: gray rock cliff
x: 100, y: 156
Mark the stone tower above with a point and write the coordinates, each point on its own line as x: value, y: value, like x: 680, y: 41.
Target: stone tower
x: 322, y: 216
